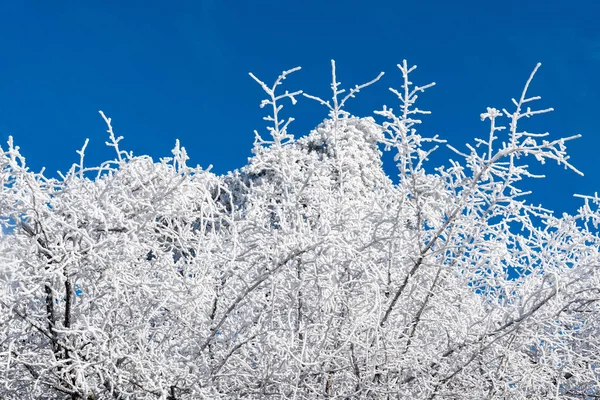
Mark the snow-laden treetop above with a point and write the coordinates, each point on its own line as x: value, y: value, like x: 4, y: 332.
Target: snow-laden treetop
x: 306, y: 274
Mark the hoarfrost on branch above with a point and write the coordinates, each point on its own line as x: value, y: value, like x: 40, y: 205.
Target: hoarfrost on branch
x: 305, y: 274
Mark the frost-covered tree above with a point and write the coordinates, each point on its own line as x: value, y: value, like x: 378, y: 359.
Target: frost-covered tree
x: 306, y: 274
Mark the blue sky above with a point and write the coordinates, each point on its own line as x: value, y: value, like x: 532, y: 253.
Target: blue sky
x: 179, y: 69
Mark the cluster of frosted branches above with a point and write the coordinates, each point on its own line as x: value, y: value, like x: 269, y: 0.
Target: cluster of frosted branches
x: 306, y: 274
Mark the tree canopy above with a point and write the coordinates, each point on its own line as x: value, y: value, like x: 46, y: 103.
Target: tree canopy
x: 308, y: 273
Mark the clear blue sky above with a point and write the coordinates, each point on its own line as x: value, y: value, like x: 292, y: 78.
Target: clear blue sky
x: 179, y: 69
